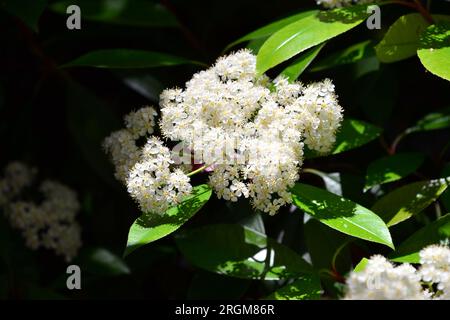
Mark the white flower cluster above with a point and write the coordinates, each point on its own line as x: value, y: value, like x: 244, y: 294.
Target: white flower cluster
x: 250, y: 130
x: 331, y: 4
x: 49, y: 224
x: 147, y: 171
x: 121, y: 144
x: 381, y: 280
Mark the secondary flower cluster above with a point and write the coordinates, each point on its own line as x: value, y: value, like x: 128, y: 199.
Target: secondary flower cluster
x: 49, y: 223
x: 330, y: 4
x: 248, y: 130
x: 381, y: 280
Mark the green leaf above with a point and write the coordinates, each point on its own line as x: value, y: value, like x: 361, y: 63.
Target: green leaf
x: 341, y: 214
x: 410, y: 199
x: 392, y: 168
x: 89, y: 121
x: 102, y: 262
x: 445, y: 197
x: 402, y: 38
x: 140, y: 13
x: 432, y: 121
x: 127, y: 58
x: 211, y: 286
x: 432, y: 233
x: 269, y: 29
x: 361, y: 265
x: 237, y: 251
x: 29, y: 11
x: 307, y: 32
x: 305, y: 288
x: 301, y: 63
x: 323, y: 243
x: 357, y: 52
x: 352, y: 134
x: 434, y: 49
x: 151, y: 227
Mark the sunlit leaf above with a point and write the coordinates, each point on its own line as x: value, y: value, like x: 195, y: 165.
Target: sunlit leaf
x: 305, y: 288
x: 434, y: 49
x: 266, y: 31
x: 352, y: 134
x: 341, y: 214
x: 301, y: 63
x: 151, y: 227
x: 361, y: 265
x: 307, y: 32
x: 408, y: 200
x: 402, y: 39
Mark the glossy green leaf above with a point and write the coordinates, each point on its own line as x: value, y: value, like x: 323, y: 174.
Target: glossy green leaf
x: 402, y: 39
x: 357, y: 52
x: 29, y: 11
x: 127, y: 58
x: 102, y: 262
x: 151, y: 227
x: 352, y: 134
x: 237, y: 251
x: 408, y: 200
x: 434, y: 49
x: 361, y: 265
x: 341, y: 214
x: 305, y: 288
x: 432, y: 233
x: 139, y: 13
x: 307, y: 32
x: 392, y: 168
x: 301, y: 63
x: 269, y: 29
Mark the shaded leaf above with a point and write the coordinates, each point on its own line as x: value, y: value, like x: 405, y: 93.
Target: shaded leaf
x: 432, y: 121
x: 357, y: 52
x: 102, y: 262
x: 432, y: 233
x: 305, y: 288
x: 211, y: 286
x: 151, y: 227
x: 123, y: 12
x: 90, y: 121
x: 301, y: 63
x: 434, y: 49
x: 237, y: 251
x: 408, y: 200
x: 306, y: 33
x: 341, y: 214
x: 29, y: 11
x: 392, y: 168
x: 126, y: 58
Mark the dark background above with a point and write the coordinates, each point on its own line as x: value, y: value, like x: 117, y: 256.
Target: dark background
x: 56, y: 119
